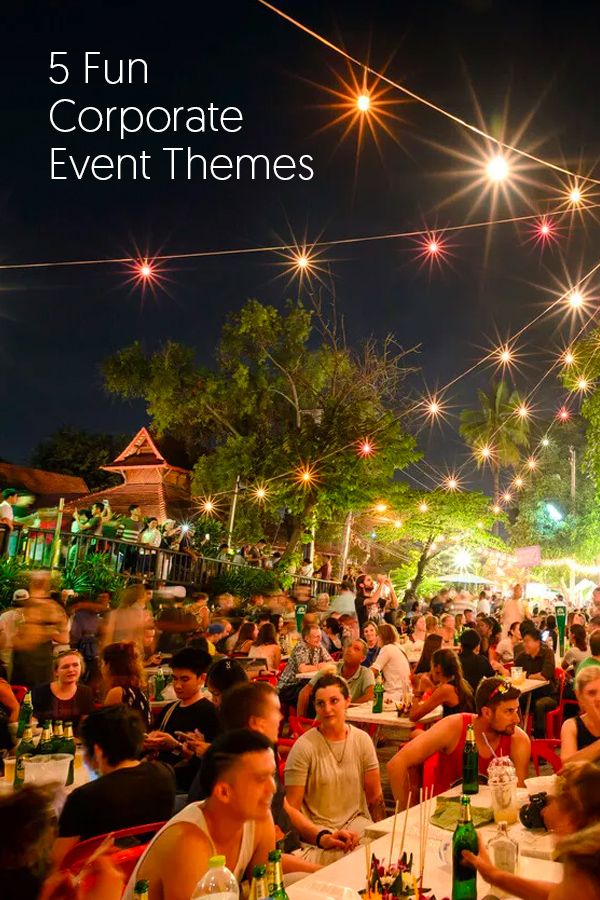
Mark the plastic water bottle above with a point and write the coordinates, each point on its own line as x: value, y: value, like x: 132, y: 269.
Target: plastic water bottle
x: 218, y: 882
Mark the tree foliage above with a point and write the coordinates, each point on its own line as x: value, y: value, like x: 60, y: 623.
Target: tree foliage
x: 431, y: 537
x: 81, y: 453
x: 495, y: 423
x: 286, y: 392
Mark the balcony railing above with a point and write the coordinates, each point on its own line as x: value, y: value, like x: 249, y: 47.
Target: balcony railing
x: 43, y: 548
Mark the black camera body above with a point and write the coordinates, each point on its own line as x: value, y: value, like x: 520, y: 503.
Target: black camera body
x: 531, y: 814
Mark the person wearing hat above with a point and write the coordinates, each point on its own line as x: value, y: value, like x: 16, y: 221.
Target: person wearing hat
x: 9, y: 623
x: 214, y: 633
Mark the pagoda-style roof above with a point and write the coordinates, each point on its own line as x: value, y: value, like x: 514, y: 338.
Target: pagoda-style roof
x: 144, y: 450
x: 47, y: 487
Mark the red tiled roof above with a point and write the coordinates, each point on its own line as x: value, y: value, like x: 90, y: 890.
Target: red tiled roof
x: 145, y: 450
x: 40, y: 482
x: 165, y: 501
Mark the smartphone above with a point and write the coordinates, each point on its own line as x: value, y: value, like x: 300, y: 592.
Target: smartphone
x: 545, y: 635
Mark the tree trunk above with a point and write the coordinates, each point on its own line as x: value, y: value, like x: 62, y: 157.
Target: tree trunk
x: 496, y: 497
x: 421, y: 567
x: 298, y: 528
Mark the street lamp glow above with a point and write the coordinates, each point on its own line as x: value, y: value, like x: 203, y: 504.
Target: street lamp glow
x: 363, y: 102
x: 497, y: 168
x: 554, y: 513
x: 462, y: 559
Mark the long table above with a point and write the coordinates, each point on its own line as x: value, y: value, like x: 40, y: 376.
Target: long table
x: 350, y: 870
x: 363, y: 714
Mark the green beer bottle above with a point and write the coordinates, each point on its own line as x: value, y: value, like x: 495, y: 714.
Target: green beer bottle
x: 68, y: 746
x: 470, y: 779
x: 25, y: 746
x: 159, y: 685
x: 25, y: 714
x: 57, y: 736
x: 140, y: 891
x: 258, y: 888
x: 46, y: 744
x: 378, y: 692
x: 464, y: 876
x: 275, y: 877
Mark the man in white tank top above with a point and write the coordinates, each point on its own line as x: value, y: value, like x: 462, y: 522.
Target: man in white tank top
x: 235, y: 821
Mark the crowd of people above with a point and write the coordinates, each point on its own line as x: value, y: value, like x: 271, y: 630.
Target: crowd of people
x: 208, y: 760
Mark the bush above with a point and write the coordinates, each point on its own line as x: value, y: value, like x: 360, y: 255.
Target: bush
x: 13, y: 575
x: 244, y: 581
x: 93, y: 575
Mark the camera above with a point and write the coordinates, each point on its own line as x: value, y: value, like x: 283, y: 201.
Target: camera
x: 531, y: 814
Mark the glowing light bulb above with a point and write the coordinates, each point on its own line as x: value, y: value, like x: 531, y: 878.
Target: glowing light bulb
x: 363, y: 102
x: 380, y: 507
x: 145, y: 270
x: 302, y: 261
x: 518, y: 482
x: 505, y: 356
x: 451, y: 483
x: 305, y: 476
x: 484, y: 452
x: 523, y: 411
x: 496, y: 509
x: 433, y: 247
x: 563, y: 414
x: 433, y: 408
x: 365, y: 447
x: 497, y: 168
x: 507, y: 496
x: 260, y: 493
x: 208, y: 506
x: 576, y: 299
x: 545, y: 442
x: 575, y: 195
x: 423, y: 508
x: 583, y: 384
x: 532, y: 463
x: 545, y: 229
x: 568, y: 358
x: 398, y: 523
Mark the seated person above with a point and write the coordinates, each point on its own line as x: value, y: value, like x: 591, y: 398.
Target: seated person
x: 580, y: 737
x: 238, y: 773
x: 538, y: 662
x: 308, y: 655
x: 127, y: 793
x: 594, y: 658
x: 360, y: 681
x: 496, y: 734
x: 191, y: 714
x: 222, y: 675
x: 371, y: 635
x: 475, y: 666
x: 392, y: 661
x: 256, y: 706
x: 573, y: 816
x: 123, y: 676
x: 445, y: 687
x: 332, y: 771
x: 266, y: 646
x: 63, y: 698
x: 511, y: 645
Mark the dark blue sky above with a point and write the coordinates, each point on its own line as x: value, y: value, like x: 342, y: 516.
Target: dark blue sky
x: 57, y: 325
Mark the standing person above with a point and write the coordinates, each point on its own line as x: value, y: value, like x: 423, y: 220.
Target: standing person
x: 343, y: 602
x: 43, y: 626
x: 63, y: 698
x: 514, y: 610
x: 7, y: 517
x: 483, y: 604
x: 129, y: 530
x: 392, y: 661
x: 131, y: 618
x: 438, y: 604
x: 371, y: 635
x: 9, y: 624
x: 445, y: 686
x: 127, y: 793
x: 332, y: 771
x: 124, y: 679
x: 538, y: 662
x: 238, y: 774
x: 366, y: 602
x: 496, y: 734
x: 326, y: 570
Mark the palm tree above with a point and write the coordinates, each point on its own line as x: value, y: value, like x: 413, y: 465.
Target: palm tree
x: 496, y: 425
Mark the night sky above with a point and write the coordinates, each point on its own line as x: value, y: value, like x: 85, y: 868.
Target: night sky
x: 57, y: 325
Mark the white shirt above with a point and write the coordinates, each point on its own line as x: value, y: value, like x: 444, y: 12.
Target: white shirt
x: 6, y: 511
x: 483, y: 606
x: 394, y: 666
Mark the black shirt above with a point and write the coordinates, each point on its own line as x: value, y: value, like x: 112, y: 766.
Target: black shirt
x: 201, y: 715
x: 542, y: 664
x: 122, y: 799
x: 475, y: 667
x: 47, y: 706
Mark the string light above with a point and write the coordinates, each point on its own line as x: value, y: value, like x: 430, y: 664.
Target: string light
x: 260, y: 493
x: 209, y: 506
x: 532, y: 463
x: 484, y: 453
x: 545, y: 442
x: 496, y: 509
x: 563, y: 414
x: 305, y: 476
x: 575, y: 299
x: 568, y: 358
x: 365, y: 447
x: 575, y: 195
x: 363, y: 102
x: 452, y: 483
x: 497, y: 168
x: 523, y: 411
x: 583, y: 384
x: 380, y: 507
x: 423, y: 507
x: 398, y: 523
x: 518, y: 482
x: 507, y: 497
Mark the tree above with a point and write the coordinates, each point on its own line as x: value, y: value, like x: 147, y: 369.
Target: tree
x: 497, y: 425
x: 430, y: 526
x: 287, y: 398
x: 81, y: 453
x: 586, y: 365
x: 547, y: 514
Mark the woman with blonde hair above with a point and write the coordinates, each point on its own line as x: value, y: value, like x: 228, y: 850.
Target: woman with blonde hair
x: 63, y: 698
x: 123, y: 674
x: 580, y: 736
x: 392, y: 661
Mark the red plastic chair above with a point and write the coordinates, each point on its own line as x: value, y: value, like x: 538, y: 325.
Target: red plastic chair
x: 124, y: 857
x: 19, y: 690
x: 556, y: 717
x: 299, y: 724
x: 270, y: 679
x: 430, y: 771
x: 284, y: 745
x: 546, y: 750
x: 560, y: 676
